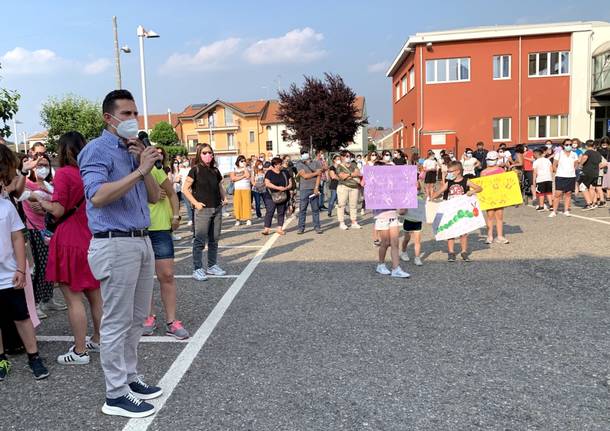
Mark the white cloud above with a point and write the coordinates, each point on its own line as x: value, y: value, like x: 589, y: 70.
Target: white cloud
x: 296, y: 46
x: 208, y: 57
x: 20, y: 61
x: 382, y: 66
x: 97, y: 66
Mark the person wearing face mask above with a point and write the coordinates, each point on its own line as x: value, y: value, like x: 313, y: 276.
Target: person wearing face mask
x: 115, y: 169
x: 386, y: 158
x: 310, y: 173
x: 348, y: 190
x: 604, y: 150
x: 242, y: 207
x: 504, y: 158
x: 470, y: 164
x: 278, y: 184
x: 494, y: 216
x: 39, y: 184
x: 204, y: 189
x: 399, y: 158
x: 564, y: 165
x: 258, y: 186
x: 542, y: 180
x: 334, y: 182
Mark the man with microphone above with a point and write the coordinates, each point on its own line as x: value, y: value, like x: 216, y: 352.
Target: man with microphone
x: 115, y: 168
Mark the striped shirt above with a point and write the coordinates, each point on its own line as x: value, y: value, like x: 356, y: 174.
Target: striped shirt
x: 104, y: 160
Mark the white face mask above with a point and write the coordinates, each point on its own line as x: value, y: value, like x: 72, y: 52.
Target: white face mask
x: 492, y: 162
x: 387, y: 158
x: 127, y: 129
x: 42, y: 172
x: 305, y: 156
x: 186, y: 164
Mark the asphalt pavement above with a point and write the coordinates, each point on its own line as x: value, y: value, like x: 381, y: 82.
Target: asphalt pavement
x: 304, y: 335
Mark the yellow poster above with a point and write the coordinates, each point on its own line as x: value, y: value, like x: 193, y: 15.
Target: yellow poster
x: 499, y: 191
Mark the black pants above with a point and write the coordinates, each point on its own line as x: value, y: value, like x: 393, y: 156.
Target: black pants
x: 271, y: 207
x: 43, y: 290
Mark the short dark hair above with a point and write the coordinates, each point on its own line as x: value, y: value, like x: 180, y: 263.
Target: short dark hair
x: 69, y: 146
x: 566, y: 140
x: 520, y: 148
x: 276, y: 161
x: 604, y: 140
x: 304, y: 150
x: 468, y: 149
x: 481, y: 143
x: 456, y: 164
x: 38, y: 144
x: 240, y: 158
x: 538, y: 151
x: 589, y: 143
x: 109, y: 105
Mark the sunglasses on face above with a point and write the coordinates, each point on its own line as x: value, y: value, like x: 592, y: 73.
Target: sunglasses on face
x: 207, y: 152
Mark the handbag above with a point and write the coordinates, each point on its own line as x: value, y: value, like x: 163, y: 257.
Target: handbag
x: 50, y: 222
x: 279, y: 197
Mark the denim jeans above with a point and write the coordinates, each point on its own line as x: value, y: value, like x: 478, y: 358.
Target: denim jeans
x: 270, y: 208
x: 207, y: 231
x: 257, y: 202
x: 189, y: 207
x: 315, y: 209
x: 332, y: 201
x: 321, y: 197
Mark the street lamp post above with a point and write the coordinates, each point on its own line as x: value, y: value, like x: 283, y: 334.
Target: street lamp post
x: 15, y: 122
x: 117, y: 54
x: 142, y: 33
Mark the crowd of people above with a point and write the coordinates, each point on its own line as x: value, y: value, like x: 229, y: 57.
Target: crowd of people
x: 100, y: 220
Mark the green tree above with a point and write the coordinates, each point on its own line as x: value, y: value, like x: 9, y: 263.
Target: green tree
x: 372, y: 147
x: 8, y: 109
x: 173, y: 151
x: 71, y: 113
x: 321, y: 113
x: 163, y: 134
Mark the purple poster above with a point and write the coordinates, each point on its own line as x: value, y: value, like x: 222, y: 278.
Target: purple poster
x: 390, y: 187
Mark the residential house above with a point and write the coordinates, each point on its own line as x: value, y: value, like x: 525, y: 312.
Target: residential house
x: 154, y: 119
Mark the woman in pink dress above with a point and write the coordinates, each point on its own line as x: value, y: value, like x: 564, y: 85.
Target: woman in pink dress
x: 67, y: 263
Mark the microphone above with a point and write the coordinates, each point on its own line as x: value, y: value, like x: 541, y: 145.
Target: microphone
x: 143, y: 136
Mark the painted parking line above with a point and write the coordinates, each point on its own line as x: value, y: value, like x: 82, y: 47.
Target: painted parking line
x: 190, y: 247
x: 148, y: 339
x: 185, y: 276
x: 595, y: 219
x: 183, y: 362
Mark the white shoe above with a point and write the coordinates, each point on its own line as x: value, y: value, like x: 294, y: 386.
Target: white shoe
x: 237, y: 223
x: 399, y: 273
x: 41, y: 314
x: 418, y: 261
x: 248, y: 222
x: 72, y: 358
x: 215, y: 270
x: 92, y: 346
x: 355, y: 225
x: 382, y: 269
x: 362, y: 212
x: 404, y: 256
x: 199, y: 275
x: 226, y: 215
x: 552, y: 214
x: 343, y: 226
x: 176, y: 237
x: 53, y: 305
x: 567, y: 213
x: 190, y: 223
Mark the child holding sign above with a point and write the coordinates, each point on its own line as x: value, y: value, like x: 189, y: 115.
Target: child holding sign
x: 457, y: 185
x: 494, y: 215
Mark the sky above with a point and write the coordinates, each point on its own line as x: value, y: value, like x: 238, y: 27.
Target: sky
x: 235, y: 51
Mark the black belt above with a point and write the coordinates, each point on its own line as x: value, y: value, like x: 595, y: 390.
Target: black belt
x: 120, y: 234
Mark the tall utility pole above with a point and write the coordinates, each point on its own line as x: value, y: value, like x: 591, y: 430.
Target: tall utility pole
x: 117, y: 59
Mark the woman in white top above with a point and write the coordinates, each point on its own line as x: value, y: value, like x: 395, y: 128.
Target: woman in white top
x: 431, y: 168
x: 470, y: 164
x: 564, y: 165
x: 242, y: 201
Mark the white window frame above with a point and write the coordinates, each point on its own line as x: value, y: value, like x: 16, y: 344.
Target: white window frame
x: 501, y: 120
x: 397, y: 92
x: 447, y: 80
x: 502, y: 57
x: 411, y: 75
x: 403, y: 84
x: 231, y: 141
x: 548, y: 62
x: 548, y: 126
x: 251, y: 136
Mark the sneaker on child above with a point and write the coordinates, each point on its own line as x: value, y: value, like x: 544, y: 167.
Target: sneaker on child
x: 399, y: 273
x: 382, y: 269
x: 199, y: 275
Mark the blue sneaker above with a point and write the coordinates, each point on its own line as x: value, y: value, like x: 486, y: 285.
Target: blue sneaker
x: 144, y: 391
x: 127, y: 406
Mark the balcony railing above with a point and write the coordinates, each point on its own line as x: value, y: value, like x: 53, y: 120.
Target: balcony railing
x: 203, y: 124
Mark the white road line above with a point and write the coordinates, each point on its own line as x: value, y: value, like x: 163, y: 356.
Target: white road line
x: 185, y: 359
x: 190, y: 247
x: 582, y: 217
x: 209, y: 276
x: 151, y: 339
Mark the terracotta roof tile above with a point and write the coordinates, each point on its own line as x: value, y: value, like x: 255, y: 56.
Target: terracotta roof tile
x: 153, y: 119
x: 40, y: 135
x: 253, y: 107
